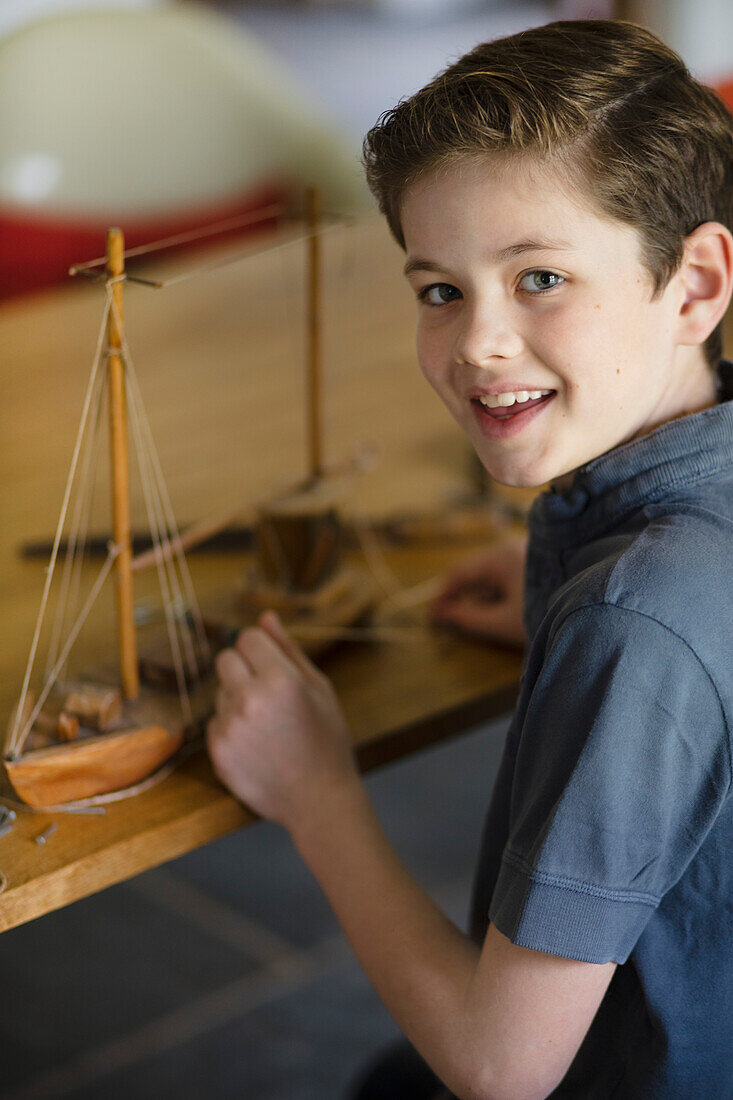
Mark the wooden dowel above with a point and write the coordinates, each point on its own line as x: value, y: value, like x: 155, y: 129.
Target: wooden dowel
x: 129, y: 676
x: 194, y: 535
x: 313, y: 314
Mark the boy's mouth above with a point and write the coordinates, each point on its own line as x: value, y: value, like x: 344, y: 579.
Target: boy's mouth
x: 509, y: 405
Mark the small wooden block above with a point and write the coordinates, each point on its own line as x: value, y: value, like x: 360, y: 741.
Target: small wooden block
x: 95, y: 707
x: 67, y: 727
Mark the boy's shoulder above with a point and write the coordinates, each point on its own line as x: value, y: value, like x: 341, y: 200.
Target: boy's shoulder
x: 670, y: 563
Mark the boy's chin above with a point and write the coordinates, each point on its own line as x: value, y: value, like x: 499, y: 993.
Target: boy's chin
x: 521, y: 472
x: 517, y: 479
x: 518, y: 482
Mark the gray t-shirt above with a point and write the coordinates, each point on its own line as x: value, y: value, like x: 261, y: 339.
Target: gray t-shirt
x: 610, y: 832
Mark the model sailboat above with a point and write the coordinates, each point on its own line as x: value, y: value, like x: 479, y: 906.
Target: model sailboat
x: 103, y: 735
x: 80, y: 739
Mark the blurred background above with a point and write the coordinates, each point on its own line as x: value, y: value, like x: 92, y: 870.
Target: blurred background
x: 223, y: 974
x: 166, y: 116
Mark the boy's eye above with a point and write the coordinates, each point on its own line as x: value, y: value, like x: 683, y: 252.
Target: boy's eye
x: 439, y: 294
x: 535, y: 281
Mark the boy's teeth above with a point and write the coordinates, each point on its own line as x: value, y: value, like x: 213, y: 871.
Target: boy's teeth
x: 504, y: 400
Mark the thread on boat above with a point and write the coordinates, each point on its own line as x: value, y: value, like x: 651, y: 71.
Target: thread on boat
x: 17, y: 737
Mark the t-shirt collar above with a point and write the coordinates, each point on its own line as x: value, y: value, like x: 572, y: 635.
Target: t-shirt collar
x: 679, y: 453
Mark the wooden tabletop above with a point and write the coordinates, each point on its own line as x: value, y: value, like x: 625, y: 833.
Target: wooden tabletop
x: 219, y: 362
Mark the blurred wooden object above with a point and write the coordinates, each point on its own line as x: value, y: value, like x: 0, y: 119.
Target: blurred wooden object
x: 299, y: 546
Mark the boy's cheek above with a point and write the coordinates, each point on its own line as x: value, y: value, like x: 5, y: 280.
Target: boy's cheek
x: 437, y: 373
x: 433, y: 361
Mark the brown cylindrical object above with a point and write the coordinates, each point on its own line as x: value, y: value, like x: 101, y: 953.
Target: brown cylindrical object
x: 120, y: 473
x: 298, y: 551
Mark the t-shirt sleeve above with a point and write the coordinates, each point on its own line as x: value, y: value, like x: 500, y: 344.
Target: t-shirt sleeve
x: 622, y: 764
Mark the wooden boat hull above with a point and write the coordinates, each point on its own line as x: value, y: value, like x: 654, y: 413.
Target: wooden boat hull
x: 93, y: 766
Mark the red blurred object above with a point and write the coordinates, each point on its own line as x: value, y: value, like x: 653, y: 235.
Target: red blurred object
x: 37, y: 251
x: 725, y: 91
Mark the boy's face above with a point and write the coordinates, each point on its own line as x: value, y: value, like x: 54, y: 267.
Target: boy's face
x: 525, y: 290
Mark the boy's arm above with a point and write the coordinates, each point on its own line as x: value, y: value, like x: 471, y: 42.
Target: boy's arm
x: 497, y: 1022
x: 500, y: 1021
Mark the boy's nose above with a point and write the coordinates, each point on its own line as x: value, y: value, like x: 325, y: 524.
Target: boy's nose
x: 485, y: 338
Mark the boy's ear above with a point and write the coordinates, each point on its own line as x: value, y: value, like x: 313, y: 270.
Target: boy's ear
x: 706, y: 275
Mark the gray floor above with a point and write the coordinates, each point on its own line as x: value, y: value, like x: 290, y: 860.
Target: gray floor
x: 224, y: 974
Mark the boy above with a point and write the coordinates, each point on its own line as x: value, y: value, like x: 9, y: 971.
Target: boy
x: 564, y: 200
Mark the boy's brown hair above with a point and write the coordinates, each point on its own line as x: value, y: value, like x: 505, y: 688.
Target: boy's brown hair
x: 618, y: 108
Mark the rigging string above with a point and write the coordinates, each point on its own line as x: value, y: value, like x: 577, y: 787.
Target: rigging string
x: 76, y: 542
x: 112, y: 553
x: 15, y: 742
x: 174, y: 540
x: 74, y: 597
x: 214, y: 265
x: 238, y: 222
x: 166, y: 574
x: 167, y: 578
x: 170, y: 591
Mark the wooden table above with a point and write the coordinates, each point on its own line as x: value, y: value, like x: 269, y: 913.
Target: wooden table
x: 219, y: 364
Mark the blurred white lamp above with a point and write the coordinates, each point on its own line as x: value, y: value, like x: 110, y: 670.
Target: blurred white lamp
x: 157, y: 120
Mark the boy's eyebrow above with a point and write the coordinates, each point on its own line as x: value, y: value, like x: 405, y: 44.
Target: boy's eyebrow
x: 420, y: 265
x: 507, y: 253
x: 521, y: 247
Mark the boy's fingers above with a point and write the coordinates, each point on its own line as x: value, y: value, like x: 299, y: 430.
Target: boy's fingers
x: 270, y: 622
x: 232, y: 667
x: 487, y: 572
x: 485, y: 620
x: 469, y: 573
x: 228, y: 702
x: 484, y: 594
x: 262, y: 652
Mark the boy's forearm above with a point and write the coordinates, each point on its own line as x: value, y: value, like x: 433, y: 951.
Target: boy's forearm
x: 421, y: 965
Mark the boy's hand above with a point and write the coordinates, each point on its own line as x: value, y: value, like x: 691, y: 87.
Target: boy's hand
x: 278, y: 739
x: 484, y: 595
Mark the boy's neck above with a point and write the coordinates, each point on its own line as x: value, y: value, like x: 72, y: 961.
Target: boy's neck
x: 695, y: 390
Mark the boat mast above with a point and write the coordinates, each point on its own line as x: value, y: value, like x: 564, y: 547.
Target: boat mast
x: 130, y: 680
x: 313, y: 314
